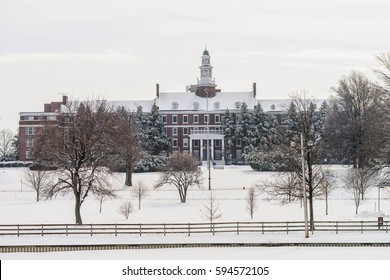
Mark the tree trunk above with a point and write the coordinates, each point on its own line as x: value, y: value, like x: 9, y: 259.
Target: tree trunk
x: 326, y: 202
x: 77, y: 211
x: 129, y: 175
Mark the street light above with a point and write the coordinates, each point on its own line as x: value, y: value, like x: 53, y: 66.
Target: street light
x: 208, y: 143
x: 305, y: 214
x: 380, y: 186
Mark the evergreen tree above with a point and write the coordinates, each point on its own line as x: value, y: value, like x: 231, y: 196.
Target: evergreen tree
x: 156, y: 137
x: 244, y: 128
x: 292, y: 123
x: 228, y: 131
x: 263, y: 132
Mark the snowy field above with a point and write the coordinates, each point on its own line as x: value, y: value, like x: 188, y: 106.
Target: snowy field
x: 230, y: 188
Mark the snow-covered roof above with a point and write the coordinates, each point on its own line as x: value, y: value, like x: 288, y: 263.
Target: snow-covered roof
x: 188, y: 101
x: 131, y: 105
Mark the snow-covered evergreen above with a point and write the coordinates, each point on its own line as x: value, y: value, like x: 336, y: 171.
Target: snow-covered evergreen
x: 229, y: 134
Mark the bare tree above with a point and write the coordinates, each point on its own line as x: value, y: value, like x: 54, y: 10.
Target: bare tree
x: 181, y: 171
x: 357, y: 181
x: 251, y: 200
x: 78, y: 147
x: 139, y: 191
x: 211, y: 211
x: 38, y: 180
x: 6, y: 144
x: 285, y: 187
x: 327, y: 181
x: 103, y: 195
x: 125, y: 145
x: 355, y: 122
x: 126, y: 209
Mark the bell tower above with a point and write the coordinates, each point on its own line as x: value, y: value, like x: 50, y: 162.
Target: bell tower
x: 206, y: 70
x: 206, y: 86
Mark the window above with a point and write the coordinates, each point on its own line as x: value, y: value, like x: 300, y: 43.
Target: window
x: 175, y: 143
x: 218, y: 143
x: 164, y: 117
x: 196, y: 105
x: 185, y: 130
x: 216, y: 105
x: 29, y: 143
x: 185, y: 118
x: 217, y: 119
x: 185, y: 143
x: 30, y: 130
x: 28, y: 154
x: 175, y: 105
x: 237, y: 104
x: 273, y: 107
x: 174, y: 119
x: 174, y: 131
x: 206, y: 118
x: 196, y: 119
x: 196, y: 143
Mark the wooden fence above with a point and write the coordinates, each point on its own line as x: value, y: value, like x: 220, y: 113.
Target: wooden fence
x: 188, y: 228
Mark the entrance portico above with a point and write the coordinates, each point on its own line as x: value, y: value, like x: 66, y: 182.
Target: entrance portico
x: 215, y: 140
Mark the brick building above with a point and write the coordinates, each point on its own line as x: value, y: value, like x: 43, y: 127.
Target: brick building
x: 192, y: 118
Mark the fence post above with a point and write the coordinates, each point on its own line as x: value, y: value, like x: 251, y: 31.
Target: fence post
x: 189, y: 229
x: 337, y: 227
x: 18, y: 231
x: 116, y: 230
x: 165, y: 229
x: 287, y: 227
x: 361, y: 226
x: 386, y: 226
x: 91, y: 229
x: 262, y: 228
x: 66, y: 229
x: 140, y: 230
x: 42, y: 229
x: 238, y: 228
x: 213, y: 227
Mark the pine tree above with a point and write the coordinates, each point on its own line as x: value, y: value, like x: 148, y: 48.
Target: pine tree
x: 292, y: 123
x: 156, y: 137
x: 228, y: 131
x: 244, y: 128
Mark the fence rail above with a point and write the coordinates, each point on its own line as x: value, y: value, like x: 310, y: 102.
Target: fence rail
x: 188, y: 228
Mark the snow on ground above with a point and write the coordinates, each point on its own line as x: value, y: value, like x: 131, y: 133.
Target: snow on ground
x: 230, y: 187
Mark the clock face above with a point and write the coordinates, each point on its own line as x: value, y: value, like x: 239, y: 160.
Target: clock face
x: 206, y: 72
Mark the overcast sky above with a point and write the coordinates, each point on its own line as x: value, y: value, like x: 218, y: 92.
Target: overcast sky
x: 119, y: 49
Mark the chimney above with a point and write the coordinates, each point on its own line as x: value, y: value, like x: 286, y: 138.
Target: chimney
x: 254, y: 89
x: 64, y: 99
x: 158, y: 90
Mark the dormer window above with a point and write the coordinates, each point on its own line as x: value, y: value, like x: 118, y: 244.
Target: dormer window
x: 196, y: 105
x: 216, y: 105
x: 175, y: 105
x: 273, y: 107
x: 237, y: 104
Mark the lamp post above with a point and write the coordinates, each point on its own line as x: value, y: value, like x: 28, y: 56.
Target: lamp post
x: 208, y: 140
x: 303, y: 152
x: 380, y: 186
